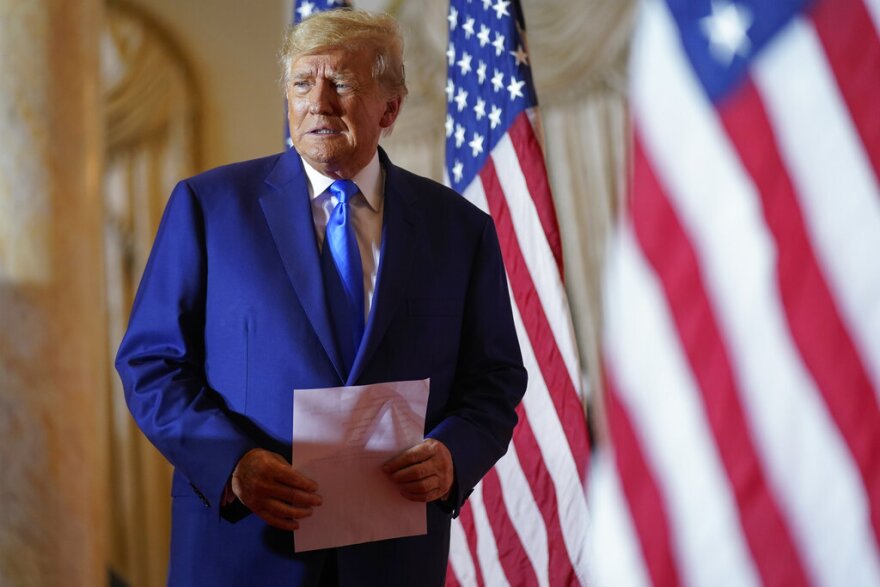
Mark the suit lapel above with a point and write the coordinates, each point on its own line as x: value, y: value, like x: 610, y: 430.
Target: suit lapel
x: 288, y: 213
x: 400, y: 219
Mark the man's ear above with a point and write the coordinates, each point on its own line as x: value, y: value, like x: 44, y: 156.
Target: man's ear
x: 392, y: 110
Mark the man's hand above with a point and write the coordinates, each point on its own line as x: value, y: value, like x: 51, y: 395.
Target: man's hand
x: 423, y: 472
x: 272, y: 489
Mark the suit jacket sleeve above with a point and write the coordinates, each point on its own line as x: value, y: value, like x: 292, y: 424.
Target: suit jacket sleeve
x: 490, y: 379
x: 161, y: 358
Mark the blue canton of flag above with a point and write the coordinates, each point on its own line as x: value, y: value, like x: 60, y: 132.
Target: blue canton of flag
x: 489, y: 82
x: 301, y: 10
x: 720, y: 38
x: 307, y: 8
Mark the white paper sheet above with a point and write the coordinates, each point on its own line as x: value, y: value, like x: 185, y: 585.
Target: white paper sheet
x: 341, y: 438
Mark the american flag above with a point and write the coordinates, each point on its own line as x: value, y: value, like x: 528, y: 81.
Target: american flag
x: 304, y: 9
x: 526, y: 522
x: 742, y: 339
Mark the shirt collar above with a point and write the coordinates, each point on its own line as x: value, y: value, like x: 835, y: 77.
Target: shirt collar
x: 369, y: 180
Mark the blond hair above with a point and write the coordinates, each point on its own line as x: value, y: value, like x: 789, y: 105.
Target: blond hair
x: 353, y: 30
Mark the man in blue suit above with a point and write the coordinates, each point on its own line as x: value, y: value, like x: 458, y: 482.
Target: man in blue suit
x: 247, y: 296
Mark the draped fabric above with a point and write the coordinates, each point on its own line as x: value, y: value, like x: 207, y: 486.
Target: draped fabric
x: 151, y: 140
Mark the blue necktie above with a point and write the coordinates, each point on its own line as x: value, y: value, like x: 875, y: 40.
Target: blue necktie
x: 343, y: 274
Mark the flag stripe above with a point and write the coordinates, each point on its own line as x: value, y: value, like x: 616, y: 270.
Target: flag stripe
x: 545, y: 277
x: 667, y: 249
x: 807, y: 302
x: 852, y: 46
x: 525, y: 515
x: 461, y: 570
x: 642, y: 493
x: 487, y: 550
x: 839, y: 193
x: 451, y: 579
x: 531, y: 157
x: 816, y: 325
x: 550, y: 471
x: 565, y: 459
x: 873, y: 7
x: 468, y: 524
x: 552, y: 468
x: 553, y: 369
x: 562, y: 553
x: 659, y: 393
x: 511, y: 553
x: 615, y: 552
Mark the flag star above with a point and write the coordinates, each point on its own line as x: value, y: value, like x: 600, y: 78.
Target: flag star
x: 726, y: 29
x: 500, y: 8
x: 333, y: 2
x: 468, y: 28
x: 452, y: 18
x: 481, y: 71
x: 450, y: 90
x: 495, y: 116
x: 450, y: 54
x: 461, y: 99
x: 487, y: 4
x: 476, y: 144
x: 515, y: 88
x: 480, y: 108
x: 498, y: 81
x: 522, y: 58
x: 450, y: 125
x: 483, y: 35
x: 457, y: 170
x: 305, y: 10
x: 498, y: 43
x: 289, y: 142
x: 465, y: 63
x: 459, y: 136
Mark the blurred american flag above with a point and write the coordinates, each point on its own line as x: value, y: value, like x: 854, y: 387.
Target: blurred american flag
x: 742, y: 296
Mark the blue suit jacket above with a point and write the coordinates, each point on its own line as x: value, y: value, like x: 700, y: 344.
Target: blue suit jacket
x: 230, y: 317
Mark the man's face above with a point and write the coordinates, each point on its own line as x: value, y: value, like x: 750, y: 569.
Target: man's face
x: 337, y: 111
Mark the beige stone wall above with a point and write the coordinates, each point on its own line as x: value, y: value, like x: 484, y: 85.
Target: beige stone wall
x: 52, y: 376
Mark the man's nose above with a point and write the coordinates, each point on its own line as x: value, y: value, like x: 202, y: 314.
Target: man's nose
x: 322, y: 98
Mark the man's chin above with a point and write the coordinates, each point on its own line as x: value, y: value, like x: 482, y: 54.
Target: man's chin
x: 327, y: 164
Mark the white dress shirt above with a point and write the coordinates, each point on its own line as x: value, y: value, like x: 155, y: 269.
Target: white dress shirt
x: 366, y: 216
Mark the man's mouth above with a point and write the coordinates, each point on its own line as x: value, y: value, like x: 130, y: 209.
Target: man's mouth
x: 324, y: 131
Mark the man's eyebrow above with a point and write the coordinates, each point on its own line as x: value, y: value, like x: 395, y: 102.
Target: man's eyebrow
x: 342, y: 76
x: 333, y: 76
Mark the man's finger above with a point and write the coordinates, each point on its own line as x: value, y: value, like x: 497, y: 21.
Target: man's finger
x: 414, y: 472
x: 292, y: 478
x: 301, y: 498
x: 418, y: 453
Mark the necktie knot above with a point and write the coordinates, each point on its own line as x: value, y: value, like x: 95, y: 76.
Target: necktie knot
x: 344, y: 190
